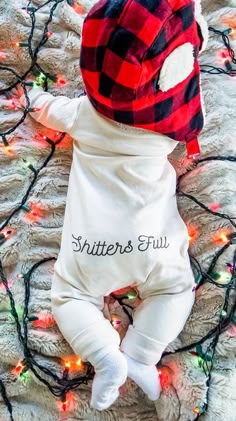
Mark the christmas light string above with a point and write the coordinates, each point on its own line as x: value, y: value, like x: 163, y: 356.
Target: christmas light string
x: 28, y: 363
x: 223, y: 58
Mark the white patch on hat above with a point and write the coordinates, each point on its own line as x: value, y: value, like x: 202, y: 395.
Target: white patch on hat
x: 177, y: 67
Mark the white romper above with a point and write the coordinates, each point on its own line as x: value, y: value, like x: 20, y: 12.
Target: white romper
x: 121, y: 227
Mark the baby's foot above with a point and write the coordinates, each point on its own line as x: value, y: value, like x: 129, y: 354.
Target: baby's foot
x: 111, y: 373
x: 145, y: 376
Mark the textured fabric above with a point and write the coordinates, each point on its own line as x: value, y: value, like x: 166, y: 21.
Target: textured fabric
x: 124, y: 46
x: 33, y: 241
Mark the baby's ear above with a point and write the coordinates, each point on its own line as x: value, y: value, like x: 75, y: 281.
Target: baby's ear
x: 177, y: 67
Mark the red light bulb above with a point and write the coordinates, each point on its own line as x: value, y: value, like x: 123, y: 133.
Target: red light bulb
x: 214, y: 206
x: 61, y: 81
x: 42, y: 136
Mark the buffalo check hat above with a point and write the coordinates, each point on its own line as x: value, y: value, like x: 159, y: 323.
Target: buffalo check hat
x: 139, y: 64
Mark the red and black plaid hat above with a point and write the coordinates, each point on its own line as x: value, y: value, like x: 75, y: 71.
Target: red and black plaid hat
x: 139, y: 65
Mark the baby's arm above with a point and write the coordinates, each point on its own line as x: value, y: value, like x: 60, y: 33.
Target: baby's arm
x: 56, y: 112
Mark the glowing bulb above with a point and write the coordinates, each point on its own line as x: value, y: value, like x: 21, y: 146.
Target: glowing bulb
x: 61, y: 80
x: 225, y: 59
x: 196, y: 410
x: 20, y: 44
x: 223, y: 314
x: 214, y: 206
x: 116, y: 323
x: 79, y: 9
x: 78, y: 362
x: 9, y: 284
x: 4, y: 235
x: 33, y: 212
x: 64, y: 406
x: 224, y: 238
x: 131, y: 296
x: 165, y: 376
x: 229, y: 267
x: 18, y: 369
x: 224, y: 277
x: 8, y: 149
x: 67, y: 402
x: 192, y: 233
x: 42, y: 136
x: 40, y: 79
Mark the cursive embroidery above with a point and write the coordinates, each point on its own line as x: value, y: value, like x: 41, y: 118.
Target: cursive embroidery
x: 100, y: 248
x: 150, y: 241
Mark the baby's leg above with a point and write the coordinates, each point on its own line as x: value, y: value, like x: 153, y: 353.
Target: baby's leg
x: 167, y: 301
x: 92, y: 337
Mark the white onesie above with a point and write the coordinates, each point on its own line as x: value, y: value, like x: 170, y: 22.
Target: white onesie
x: 121, y: 227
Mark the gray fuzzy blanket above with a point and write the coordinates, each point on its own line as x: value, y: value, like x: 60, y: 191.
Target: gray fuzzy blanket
x: 32, y: 240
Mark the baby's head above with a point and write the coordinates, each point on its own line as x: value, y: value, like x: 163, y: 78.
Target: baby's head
x: 139, y: 63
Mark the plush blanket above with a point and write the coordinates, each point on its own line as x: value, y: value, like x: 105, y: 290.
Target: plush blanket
x: 39, y: 237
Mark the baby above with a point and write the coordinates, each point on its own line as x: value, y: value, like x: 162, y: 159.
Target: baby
x: 139, y: 63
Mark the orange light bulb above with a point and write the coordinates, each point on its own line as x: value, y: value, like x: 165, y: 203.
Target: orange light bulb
x: 78, y: 362
x: 221, y: 236
x: 192, y: 233
x: 8, y: 149
x: 79, y: 9
x: 224, y: 238
x: 196, y: 410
